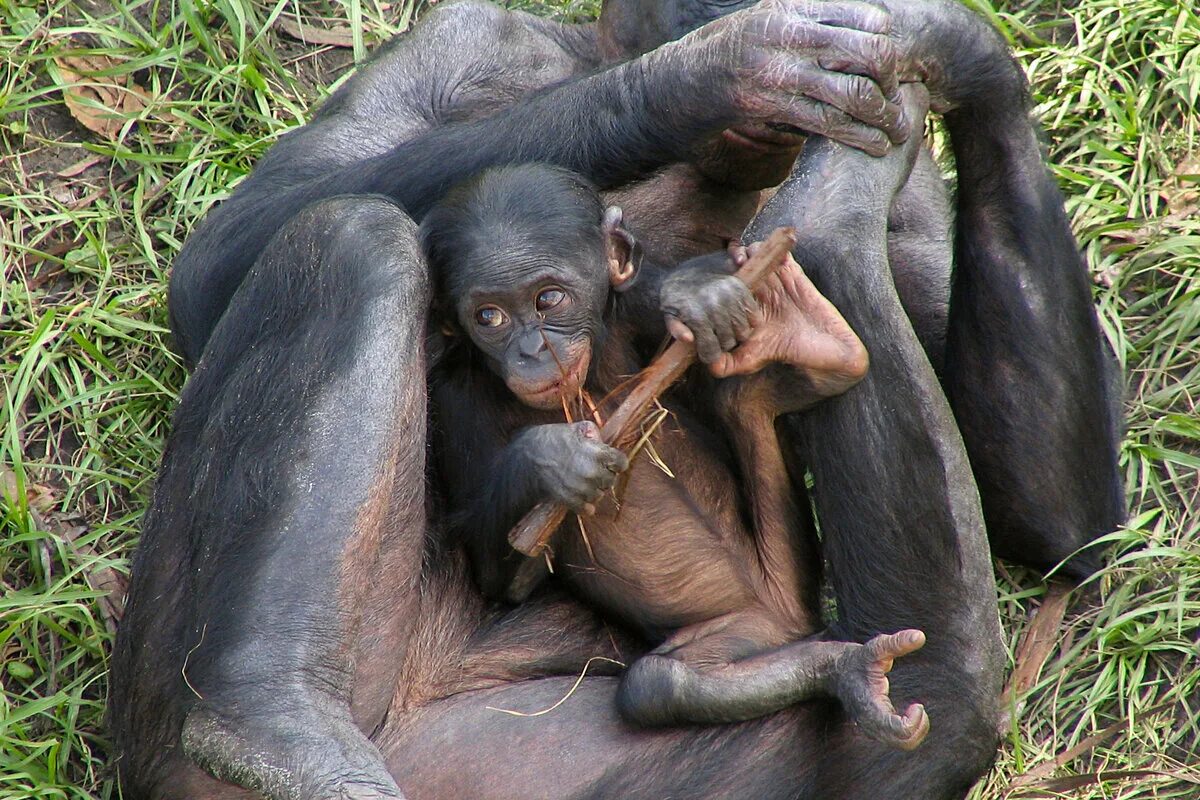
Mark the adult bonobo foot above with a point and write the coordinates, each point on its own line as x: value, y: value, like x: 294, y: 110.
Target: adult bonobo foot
x: 796, y: 326
x: 861, y: 683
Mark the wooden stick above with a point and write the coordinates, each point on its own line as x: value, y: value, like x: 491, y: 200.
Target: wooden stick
x: 532, y: 534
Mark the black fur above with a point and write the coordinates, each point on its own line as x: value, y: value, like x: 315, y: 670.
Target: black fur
x: 298, y: 624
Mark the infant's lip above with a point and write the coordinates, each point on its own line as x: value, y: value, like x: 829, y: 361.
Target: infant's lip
x: 572, y: 379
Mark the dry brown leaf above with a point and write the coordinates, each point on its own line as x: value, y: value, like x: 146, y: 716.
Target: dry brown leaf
x: 1055, y: 787
x: 1182, y: 189
x: 102, y: 104
x: 312, y: 34
x: 1038, y: 642
x: 37, y: 496
x: 80, y: 167
x: 110, y: 582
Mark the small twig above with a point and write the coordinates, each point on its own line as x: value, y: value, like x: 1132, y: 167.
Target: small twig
x: 1043, y: 771
x: 586, y: 541
x: 587, y: 398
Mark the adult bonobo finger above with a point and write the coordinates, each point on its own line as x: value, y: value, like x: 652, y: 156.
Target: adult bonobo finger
x: 863, y: 47
x: 863, y: 100
x: 913, y: 727
x: 895, y: 645
x: 841, y: 127
x: 862, y: 16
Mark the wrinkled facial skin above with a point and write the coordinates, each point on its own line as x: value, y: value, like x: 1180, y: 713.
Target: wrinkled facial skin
x: 535, y: 317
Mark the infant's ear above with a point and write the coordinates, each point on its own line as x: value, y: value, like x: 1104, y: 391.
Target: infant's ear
x: 621, y: 250
x: 443, y: 318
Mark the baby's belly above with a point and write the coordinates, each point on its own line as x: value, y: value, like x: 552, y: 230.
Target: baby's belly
x: 667, y: 556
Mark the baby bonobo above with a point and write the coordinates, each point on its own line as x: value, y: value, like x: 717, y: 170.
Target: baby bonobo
x: 544, y: 295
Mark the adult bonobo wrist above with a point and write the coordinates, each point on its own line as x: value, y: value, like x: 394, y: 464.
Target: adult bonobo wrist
x: 821, y: 67
x: 687, y: 84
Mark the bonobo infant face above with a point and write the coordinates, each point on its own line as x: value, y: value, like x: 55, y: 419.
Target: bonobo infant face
x: 533, y: 315
x: 524, y: 259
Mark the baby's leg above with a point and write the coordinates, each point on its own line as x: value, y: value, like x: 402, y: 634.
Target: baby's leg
x: 713, y: 673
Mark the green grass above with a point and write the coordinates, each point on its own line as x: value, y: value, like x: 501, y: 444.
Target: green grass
x: 89, y: 225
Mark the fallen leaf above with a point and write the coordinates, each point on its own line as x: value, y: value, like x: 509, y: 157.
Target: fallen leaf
x: 79, y: 167
x: 1055, y: 787
x: 37, y: 496
x: 1038, y: 642
x: 1182, y: 189
x: 102, y: 104
x: 112, y: 584
x: 311, y: 34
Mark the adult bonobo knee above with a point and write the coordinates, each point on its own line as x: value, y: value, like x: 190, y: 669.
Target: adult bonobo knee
x: 356, y: 656
x: 538, y: 278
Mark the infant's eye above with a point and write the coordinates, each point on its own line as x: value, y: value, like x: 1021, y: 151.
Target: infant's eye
x: 489, y: 317
x: 550, y: 298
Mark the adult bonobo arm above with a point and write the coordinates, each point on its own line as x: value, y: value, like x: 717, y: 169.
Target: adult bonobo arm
x: 797, y: 62
x: 1027, y: 373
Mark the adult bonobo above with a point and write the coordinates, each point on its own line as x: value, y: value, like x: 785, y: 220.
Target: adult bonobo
x: 544, y: 283
x: 298, y: 623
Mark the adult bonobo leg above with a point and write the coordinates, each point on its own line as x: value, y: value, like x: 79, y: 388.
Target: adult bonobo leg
x: 900, y: 518
x: 921, y: 253
x: 1027, y: 373
x: 280, y: 561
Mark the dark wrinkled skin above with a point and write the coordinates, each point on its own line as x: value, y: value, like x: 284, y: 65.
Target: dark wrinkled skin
x: 298, y: 622
x: 705, y: 304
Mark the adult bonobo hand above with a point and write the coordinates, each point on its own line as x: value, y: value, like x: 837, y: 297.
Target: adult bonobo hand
x: 568, y: 463
x: 823, y: 67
